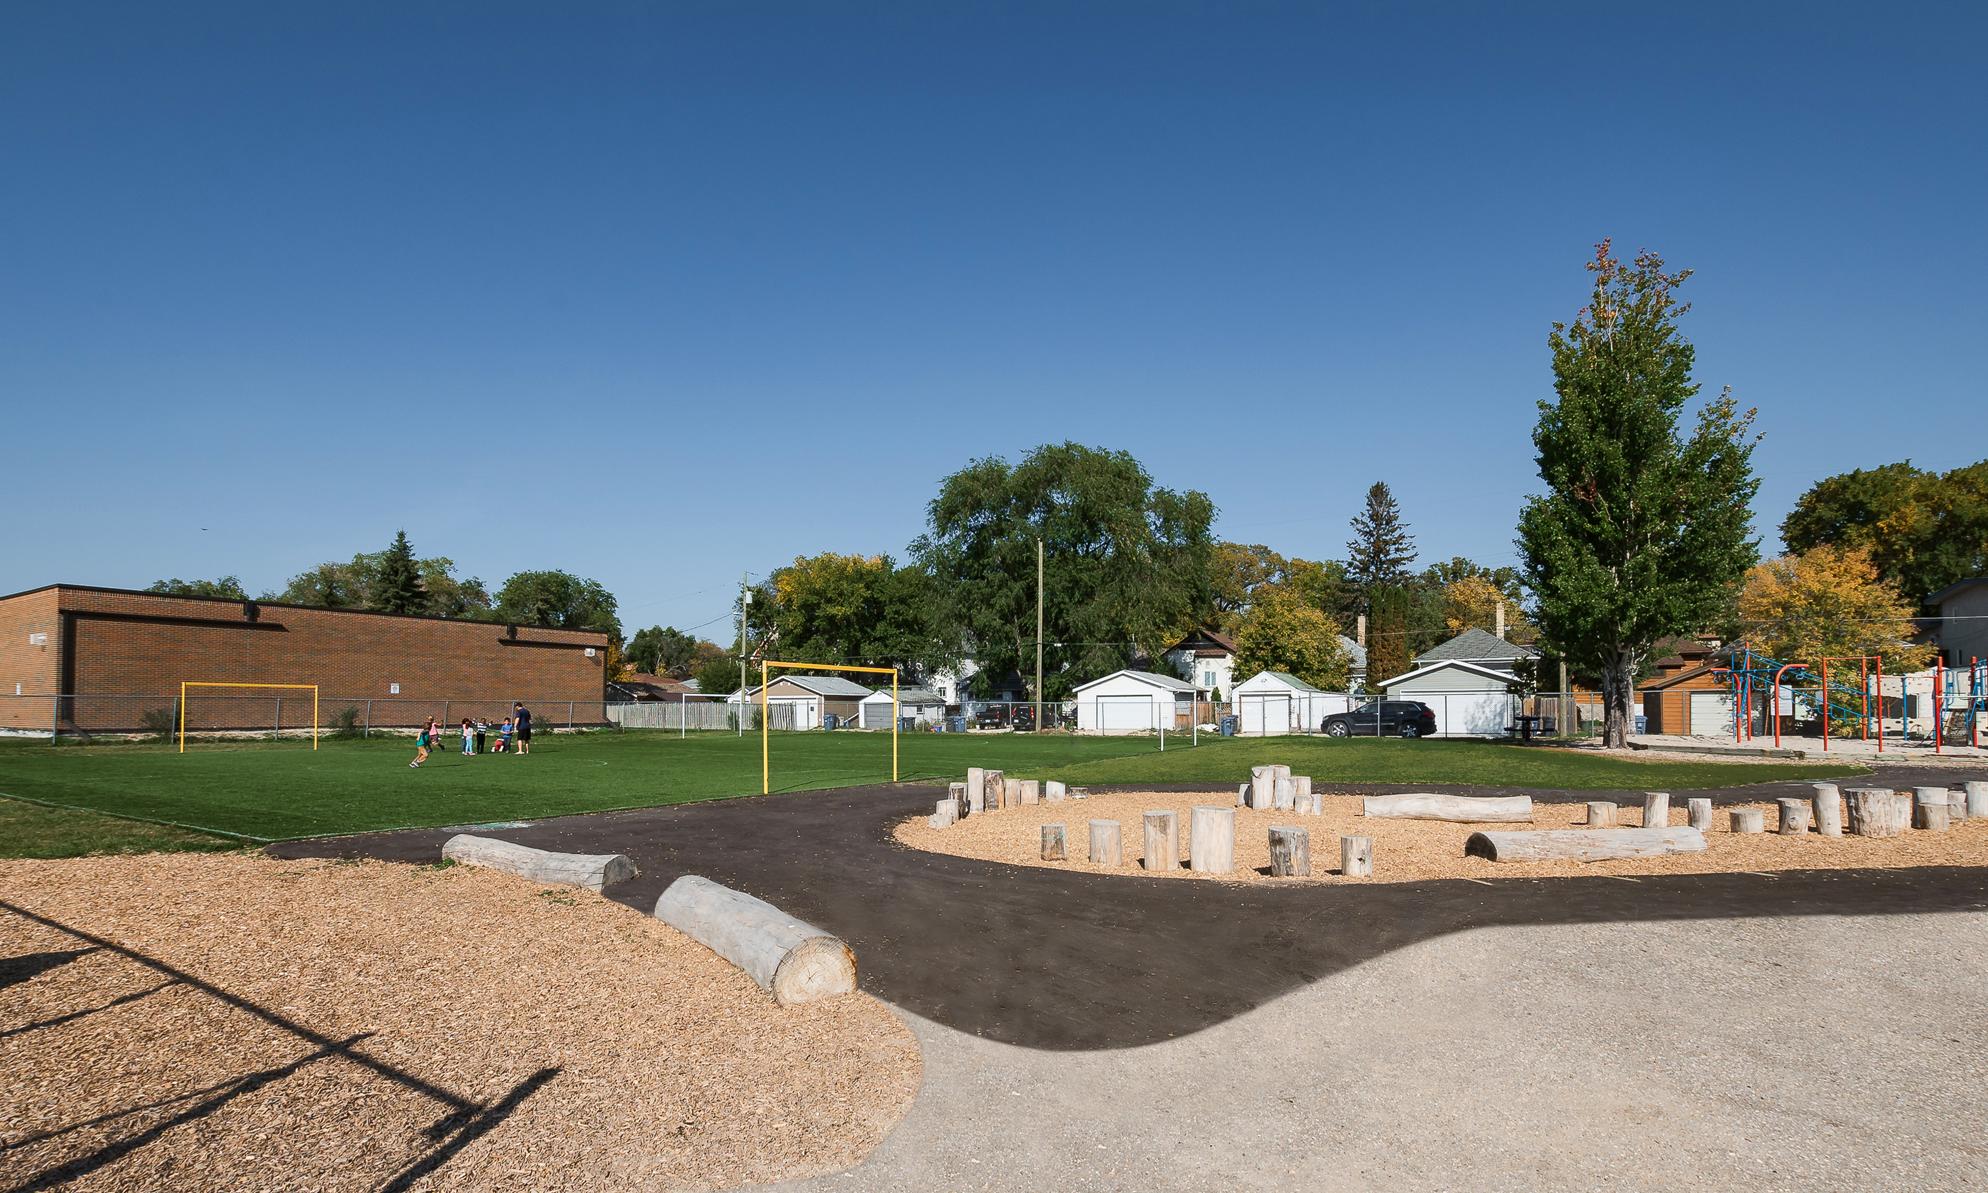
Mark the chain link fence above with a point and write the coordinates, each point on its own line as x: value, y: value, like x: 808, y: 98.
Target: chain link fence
x: 263, y: 713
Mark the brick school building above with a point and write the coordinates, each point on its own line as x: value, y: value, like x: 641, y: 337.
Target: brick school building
x: 80, y: 659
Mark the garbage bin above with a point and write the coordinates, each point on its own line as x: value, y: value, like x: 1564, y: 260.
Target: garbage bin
x: 1228, y: 726
x: 830, y: 720
x: 956, y: 724
x: 906, y: 724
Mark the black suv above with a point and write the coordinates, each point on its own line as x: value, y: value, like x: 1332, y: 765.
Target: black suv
x: 1392, y: 718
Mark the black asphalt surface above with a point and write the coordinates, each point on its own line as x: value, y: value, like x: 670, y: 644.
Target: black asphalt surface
x: 1046, y: 959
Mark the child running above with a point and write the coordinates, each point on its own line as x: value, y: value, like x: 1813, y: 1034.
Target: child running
x: 422, y: 742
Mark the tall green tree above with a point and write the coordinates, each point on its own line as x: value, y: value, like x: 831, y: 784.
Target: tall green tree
x: 1282, y: 632
x: 357, y: 585
x: 1642, y: 533
x: 1240, y: 574
x: 861, y: 609
x: 1381, y: 549
x: 559, y: 600
x: 1126, y: 561
x: 398, y: 589
x: 666, y: 650
x: 1923, y: 530
x: 226, y: 586
x: 1390, y: 648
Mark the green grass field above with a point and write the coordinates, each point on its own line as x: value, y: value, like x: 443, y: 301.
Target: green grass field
x: 273, y: 790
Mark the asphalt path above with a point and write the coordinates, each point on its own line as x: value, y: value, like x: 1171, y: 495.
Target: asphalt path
x: 1065, y: 961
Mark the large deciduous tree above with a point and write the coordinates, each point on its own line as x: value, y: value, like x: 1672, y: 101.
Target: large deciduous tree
x: 1642, y: 533
x: 1381, y: 549
x: 560, y: 600
x: 1830, y: 603
x: 1282, y: 632
x: 229, y: 587
x: 357, y: 585
x: 1240, y: 573
x: 1126, y: 562
x: 666, y: 650
x: 861, y: 609
x: 1923, y: 530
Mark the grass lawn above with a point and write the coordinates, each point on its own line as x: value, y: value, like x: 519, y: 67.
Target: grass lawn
x: 274, y: 790
x: 30, y: 830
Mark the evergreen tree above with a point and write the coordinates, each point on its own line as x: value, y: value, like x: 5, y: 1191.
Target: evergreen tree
x: 1381, y: 548
x: 1389, y: 651
x: 1641, y: 534
x: 398, y: 589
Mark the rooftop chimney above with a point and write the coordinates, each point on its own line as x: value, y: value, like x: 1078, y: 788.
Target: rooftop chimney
x: 1501, y: 617
x: 1360, y: 630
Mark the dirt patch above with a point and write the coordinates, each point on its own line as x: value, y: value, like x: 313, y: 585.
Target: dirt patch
x: 1417, y: 850
x: 364, y: 1025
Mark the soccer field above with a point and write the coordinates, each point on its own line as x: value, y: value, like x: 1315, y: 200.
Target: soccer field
x: 273, y: 790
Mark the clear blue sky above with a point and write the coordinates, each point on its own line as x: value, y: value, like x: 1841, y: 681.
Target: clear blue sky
x: 659, y: 293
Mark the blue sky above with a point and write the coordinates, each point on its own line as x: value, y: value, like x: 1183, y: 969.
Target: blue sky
x: 661, y: 293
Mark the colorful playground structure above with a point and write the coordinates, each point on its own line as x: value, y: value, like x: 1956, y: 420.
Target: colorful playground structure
x: 1853, y: 691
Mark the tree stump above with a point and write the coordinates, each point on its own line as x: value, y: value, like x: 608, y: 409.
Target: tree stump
x: 1287, y: 794
x: 1211, y: 840
x: 1698, y: 813
x: 1876, y: 811
x: 1794, y: 816
x: 946, y: 815
x: 1280, y: 771
x: 1290, y: 852
x: 1031, y: 792
x: 1462, y: 809
x: 976, y: 789
x: 1303, y: 784
x: 1956, y: 806
x: 1656, y: 809
x: 1053, y: 791
x: 1749, y: 820
x: 1929, y: 810
x: 997, y: 791
x: 793, y: 961
x: 1262, y: 787
x: 1977, y: 799
x: 1055, y: 843
x: 1601, y: 813
x: 1107, y: 847
x: 957, y: 791
x: 1583, y: 845
x: 1356, y: 857
x: 590, y: 870
x: 1162, y: 841
x: 1242, y: 796
x: 1828, y: 803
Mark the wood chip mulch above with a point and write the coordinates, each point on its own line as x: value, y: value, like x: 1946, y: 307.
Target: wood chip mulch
x: 327, y: 1025
x: 1418, y: 850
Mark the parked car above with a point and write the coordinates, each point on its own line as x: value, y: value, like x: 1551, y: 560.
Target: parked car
x: 1391, y: 718
x: 1019, y: 717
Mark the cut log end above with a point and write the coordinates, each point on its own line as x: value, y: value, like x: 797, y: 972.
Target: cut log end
x: 817, y: 968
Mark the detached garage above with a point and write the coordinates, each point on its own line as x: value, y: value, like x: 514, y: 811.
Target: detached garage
x: 1470, y: 701
x: 924, y: 705
x: 1133, y: 702
x: 1274, y: 702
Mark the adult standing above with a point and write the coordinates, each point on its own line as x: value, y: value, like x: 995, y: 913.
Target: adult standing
x: 523, y: 717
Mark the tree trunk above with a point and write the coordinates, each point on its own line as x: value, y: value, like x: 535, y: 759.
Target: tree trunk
x: 1463, y: 809
x: 1162, y: 841
x: 1053, y: 790
x: 1698, y: 813
x: 1618, y: 696
x: 793, y: 961
x: 1287, y: 795
x: 1583, y: 845
x: 1290, y: 852
x: 1262, y: 787
x: 1877, y: 811
x: 976, y: 790
x: 1977, y: 798
x: 946, y: 814
x: 1030, y: 792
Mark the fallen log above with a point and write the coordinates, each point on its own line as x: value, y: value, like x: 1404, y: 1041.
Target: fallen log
x: 590, y: 870
x: 1290, y: 852
x: 1583, y: 845
x: 1463, y: 809
x: 1162, y: 841
x: 1211, y: 840
x: 793, y: 961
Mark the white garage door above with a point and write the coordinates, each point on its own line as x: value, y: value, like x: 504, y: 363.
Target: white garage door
x: 1125, y: 714
x: 1267, y: 713
x: 1711, y: 714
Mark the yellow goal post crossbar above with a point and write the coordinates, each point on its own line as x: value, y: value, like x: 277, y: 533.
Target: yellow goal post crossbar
x: 765, y: 754
x: 296, y: 687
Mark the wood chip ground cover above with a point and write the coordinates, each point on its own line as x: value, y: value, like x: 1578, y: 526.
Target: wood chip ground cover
x: 1418, y: 850
x: 367, y: 1026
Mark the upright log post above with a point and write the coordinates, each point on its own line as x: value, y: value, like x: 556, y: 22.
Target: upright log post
x: 1211, y: 840
x: 1290, y: 852
x: 1242, y: 796
x: 946, y: 815
x: 1977, y: 799
x: 1303, y: 784
x: 1956, y: 806
x: 1794, y: 816
x: 1749, y: 820
x: 997, y: 790
x: 1053, y: 791
x: 976, y: 789
x: 1031, y: 793
x: 1929, y: 810
x: 1356, y: 857
x: 1876, y: 811
x: 1055, y: 843
x: 1262, y: 787
x: 1601, y: 813
x: 957, y: 791
x: 1828, y: 803
x: 1287, y: 794
x: 1107, y: 847
x: 1162, y: 841
x: 1698, y: 812
x: 1656, y: 809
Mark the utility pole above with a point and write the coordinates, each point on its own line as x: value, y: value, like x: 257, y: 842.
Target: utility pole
x: 1038, y: 634
x: 1563, y: 697
x: 745, y: 599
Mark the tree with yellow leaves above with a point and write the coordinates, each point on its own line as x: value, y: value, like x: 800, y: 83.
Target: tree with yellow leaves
x: 1473, y: 601
x: 1829, y: 602
x: 1281, y: 632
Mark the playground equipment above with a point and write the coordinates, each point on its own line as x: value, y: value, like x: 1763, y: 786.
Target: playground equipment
x: 1960, y: 699
x: 1757, y: 679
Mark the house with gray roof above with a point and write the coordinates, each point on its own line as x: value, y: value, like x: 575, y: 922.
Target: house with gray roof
x: 1480, y: 648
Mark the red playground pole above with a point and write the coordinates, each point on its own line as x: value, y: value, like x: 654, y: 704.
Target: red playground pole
x: 1937, y: 691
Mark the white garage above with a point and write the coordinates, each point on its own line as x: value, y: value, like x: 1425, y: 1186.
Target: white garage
x: 1275, y: 702
x: 1470, y: 701
x: 922, y: 704
x: 1133, y: 702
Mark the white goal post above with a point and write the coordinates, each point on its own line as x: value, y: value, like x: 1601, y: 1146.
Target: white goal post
x: 295, y: 687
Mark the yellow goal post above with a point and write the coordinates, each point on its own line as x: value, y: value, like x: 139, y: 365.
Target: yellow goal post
x: 765, y: 753
x: 295, y: 687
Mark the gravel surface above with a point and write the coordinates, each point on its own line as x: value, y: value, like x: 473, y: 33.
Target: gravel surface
x: 1417, y: 850
x: 330, y: 1025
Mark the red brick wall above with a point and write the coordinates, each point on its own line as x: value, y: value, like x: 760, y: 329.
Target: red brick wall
x: 128, y: 652
x: 28, y: 665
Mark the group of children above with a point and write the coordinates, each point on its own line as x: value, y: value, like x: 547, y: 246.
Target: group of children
x: 516, y: 728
